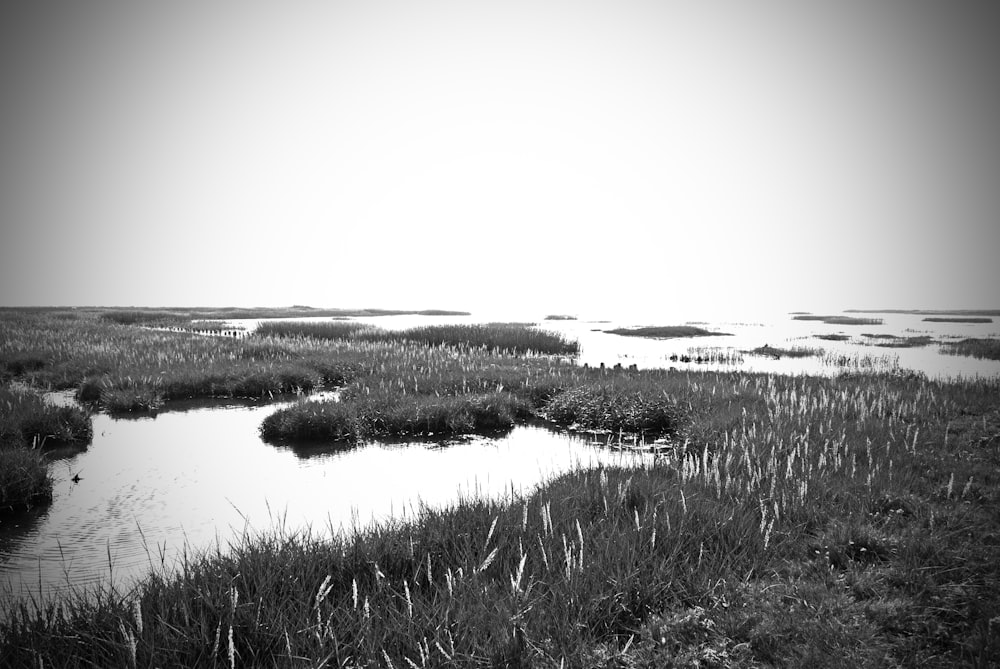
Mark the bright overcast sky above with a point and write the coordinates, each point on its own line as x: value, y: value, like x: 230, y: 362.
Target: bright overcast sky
x: 564, y: 156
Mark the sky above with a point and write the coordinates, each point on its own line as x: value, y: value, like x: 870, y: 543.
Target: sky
x: 561, y: 157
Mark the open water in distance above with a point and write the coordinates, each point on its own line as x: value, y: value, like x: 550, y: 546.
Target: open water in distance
x: 198, y: 476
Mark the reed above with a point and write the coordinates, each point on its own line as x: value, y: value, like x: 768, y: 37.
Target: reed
x: 514, y: 338
x: 711, y: 355
x: 123, y: 367
x: 832, y: 337
x: 838, y: 320
x: 28, y: 424
x: 896, y: 341
x: 793, y: 352
x: 984, y: 349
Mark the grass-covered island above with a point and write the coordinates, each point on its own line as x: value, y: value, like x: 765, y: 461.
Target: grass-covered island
x: 791, y: 521
x: 666, y: 332
x: 838, y: 320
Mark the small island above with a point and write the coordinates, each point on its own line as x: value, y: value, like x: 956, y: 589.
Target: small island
x: 667, y: 332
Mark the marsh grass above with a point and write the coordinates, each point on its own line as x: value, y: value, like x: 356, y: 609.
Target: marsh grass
x: 832, y: 337
x: 839, y: 320
x: 515, y: 338
x: 666, y: 332
x: 958, y: 319
x: 394, y: 416
x: 27, y: 420
x: 712, y: 354
x: 896, y: 341
x: 777, y: 353
x: 822, y: 522
x: 123, y: 367
x: 986, y: 349
x: 27, y: 425
x: 620, y: 405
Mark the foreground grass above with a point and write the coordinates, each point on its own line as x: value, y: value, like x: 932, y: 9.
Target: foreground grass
x: 820, y: 522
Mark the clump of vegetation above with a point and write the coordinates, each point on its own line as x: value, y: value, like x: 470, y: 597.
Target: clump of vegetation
x: 957, y: 319
x: 559, y: 317
x: 620, y: 405
x: 777, y: 353
x: 666, y: 332
x: 856, y: 362
x: 392, y: 416
x: 24, y: 479
x: 983, y: 348
x: 334, y: 329
x: 122, y: 367
x: 895, y: 341
x: 839, y: 320
x: 27, y: 420
x: 504, y: 337
x: 832, y: 337
x: 27, y: 424
x: 144, y: 317
x: 510, y: 337
x: 710, y: 354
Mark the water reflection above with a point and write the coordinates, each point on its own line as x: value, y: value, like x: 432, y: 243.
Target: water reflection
x: 151, y: 487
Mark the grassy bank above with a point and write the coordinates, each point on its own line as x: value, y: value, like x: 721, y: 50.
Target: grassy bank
x: 515, y: 338
x: 820, y: 522
x: 28, y: 424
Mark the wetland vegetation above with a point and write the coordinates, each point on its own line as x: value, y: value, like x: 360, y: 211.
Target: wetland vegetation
x: 794, y: 352
x: 497, y: 337
x: 666, y: 332
x: 788, y: 520
x: 957, y: 319
x: 838, y: 320
x: 897, y: 341
x: 983, y: 348
x: 28, y: 426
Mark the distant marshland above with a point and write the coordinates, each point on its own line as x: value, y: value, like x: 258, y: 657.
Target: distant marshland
x: 838, y: 320
x: 666, y: 332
